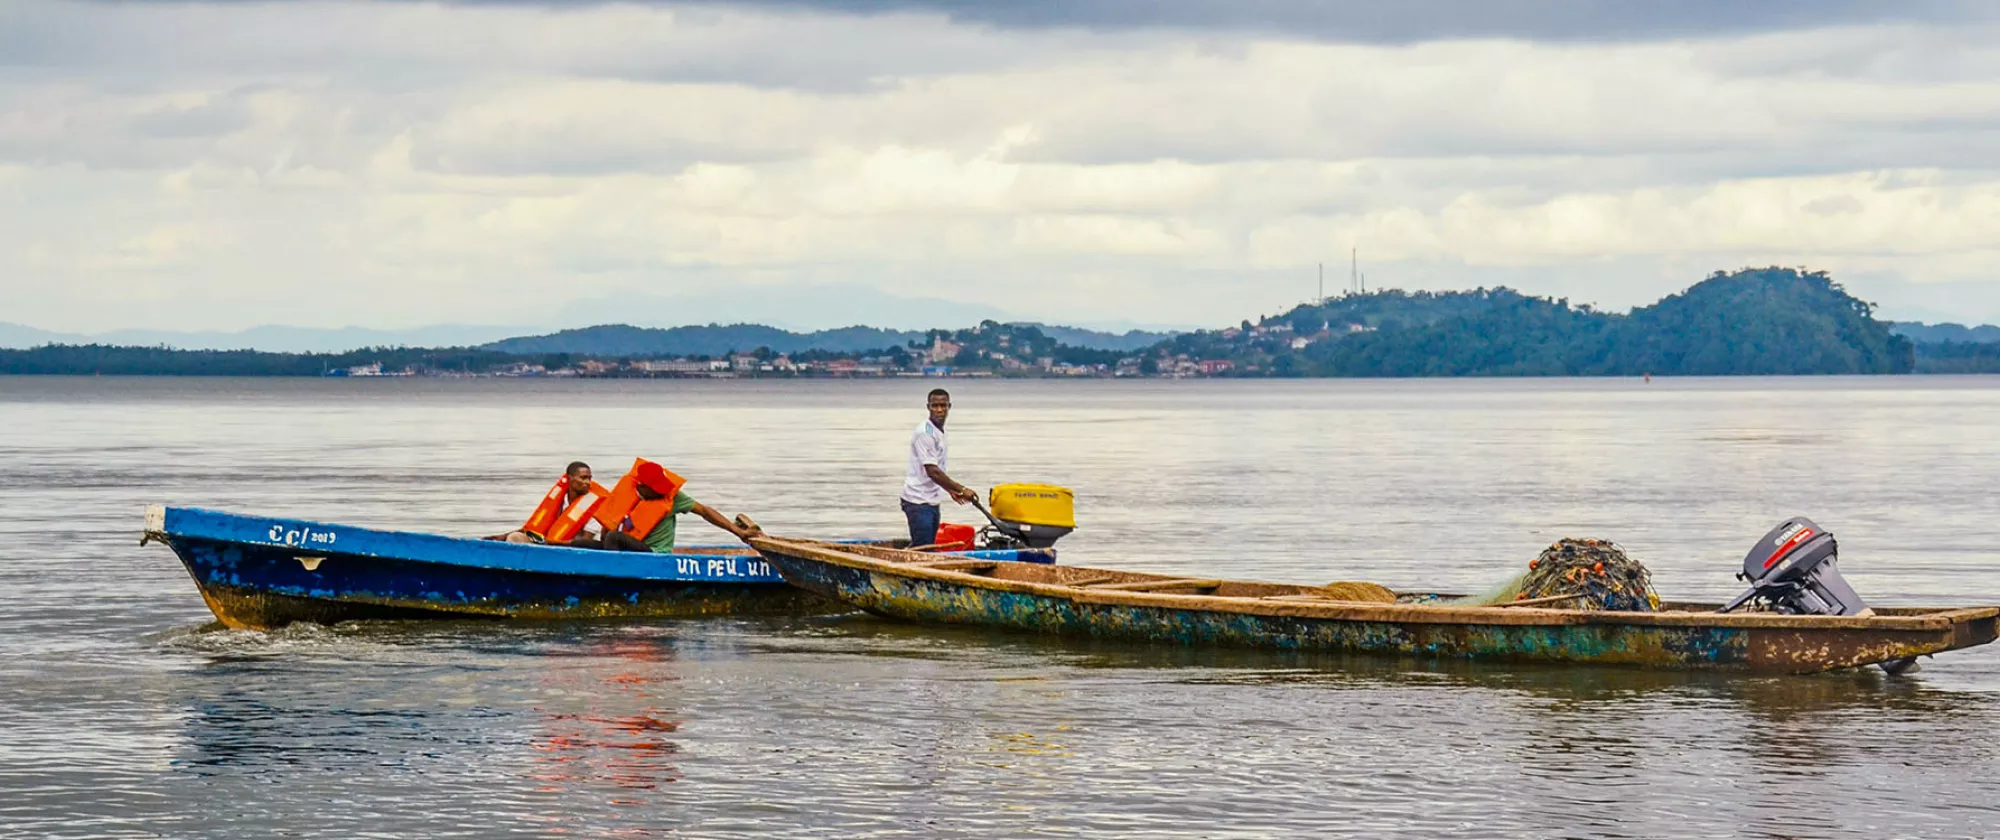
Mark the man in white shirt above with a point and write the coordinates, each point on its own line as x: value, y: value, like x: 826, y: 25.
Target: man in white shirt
x: 926, y: 485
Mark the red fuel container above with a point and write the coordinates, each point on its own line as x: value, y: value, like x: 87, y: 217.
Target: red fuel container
x: 955, y: 537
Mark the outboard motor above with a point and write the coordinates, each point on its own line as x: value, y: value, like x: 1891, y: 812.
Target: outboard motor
x: 1793, y: 569
x: 1028, y: 515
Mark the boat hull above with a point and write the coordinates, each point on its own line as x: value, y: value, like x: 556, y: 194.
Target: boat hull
x: 1684, y: 640
x: 259, y: 572
x: 255, y: 587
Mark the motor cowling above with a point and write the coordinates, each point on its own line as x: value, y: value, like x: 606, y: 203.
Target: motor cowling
x: 1794, y: 569
x: 1028, y: 515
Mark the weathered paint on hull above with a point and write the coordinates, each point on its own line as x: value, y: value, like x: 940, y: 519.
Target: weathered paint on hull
x: 1708, y: 647
x: 252, y: 587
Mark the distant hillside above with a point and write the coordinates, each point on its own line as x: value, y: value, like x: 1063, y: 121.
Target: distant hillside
x: 1941, y: 333
x: 1958, y: 357
x: 269, y: 339
x: 619, y: 340
x: 17, y: 335
x: 108, y: 360
x: 1094, y: 340
x: 1755, y: 321
x: 1763, y: 321
x: 1768, y: 321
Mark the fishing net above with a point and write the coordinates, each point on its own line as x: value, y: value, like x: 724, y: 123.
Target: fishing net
x: 1596, y: 572
x: 1359, y: 590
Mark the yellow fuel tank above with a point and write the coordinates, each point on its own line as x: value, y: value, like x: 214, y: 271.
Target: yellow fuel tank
x: 1034, y: 504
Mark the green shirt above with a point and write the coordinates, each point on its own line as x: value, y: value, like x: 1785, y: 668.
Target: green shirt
x: 661, y: 539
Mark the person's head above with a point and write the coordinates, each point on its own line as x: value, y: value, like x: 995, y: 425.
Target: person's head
x: 652, y: 483
x: 579, y: 477
x: 939, y: 403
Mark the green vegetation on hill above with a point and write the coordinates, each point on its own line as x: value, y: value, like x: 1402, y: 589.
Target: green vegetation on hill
x: 1506, y: 334
x: 628, y: 342
x: 107, y: 360
x: 1003, y: 347
x: 1946, y: 332
x: 621, y: 341
x: 1959, y: 357
x: 1756, y: 321
x: 1763, y: 321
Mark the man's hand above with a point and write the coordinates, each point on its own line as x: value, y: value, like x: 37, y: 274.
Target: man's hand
x: 735, y: 529
x: 963, y: 495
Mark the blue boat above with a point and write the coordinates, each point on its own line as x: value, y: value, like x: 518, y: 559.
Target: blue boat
x: 259, y: 572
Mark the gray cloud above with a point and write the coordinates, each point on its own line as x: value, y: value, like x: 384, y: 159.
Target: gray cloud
x: 213, y: 163
x: 1407, y: 21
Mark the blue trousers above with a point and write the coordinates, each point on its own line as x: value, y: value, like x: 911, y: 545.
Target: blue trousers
x: 923, y: 522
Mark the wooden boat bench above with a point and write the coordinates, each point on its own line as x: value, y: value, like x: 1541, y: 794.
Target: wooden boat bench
x: 1152, y: 585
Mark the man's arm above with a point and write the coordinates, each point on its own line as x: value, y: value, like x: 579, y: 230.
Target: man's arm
x: 959, y: 492
x: 714, y: 518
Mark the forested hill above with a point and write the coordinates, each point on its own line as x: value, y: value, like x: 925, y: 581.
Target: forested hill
x: 1755, y: 321
x: 619, y: 340
x: 1946, y: 332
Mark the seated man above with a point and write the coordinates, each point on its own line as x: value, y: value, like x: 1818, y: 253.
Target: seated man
x: 653, y: 485
x: 579, y: 484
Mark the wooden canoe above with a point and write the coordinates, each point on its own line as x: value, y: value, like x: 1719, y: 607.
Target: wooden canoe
x: 1075, y: 600
x: 258, y: 572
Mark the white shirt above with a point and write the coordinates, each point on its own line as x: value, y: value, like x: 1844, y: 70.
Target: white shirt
x: 928, y: 446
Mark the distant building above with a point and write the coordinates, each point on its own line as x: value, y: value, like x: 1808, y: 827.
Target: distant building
x: 1300, y: 343
x: 674, y: 366
x: 942, y: 351
x: 1211, y: 367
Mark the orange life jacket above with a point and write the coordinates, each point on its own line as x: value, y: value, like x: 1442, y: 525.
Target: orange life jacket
x: 555, y: 520
x: 624, y: 511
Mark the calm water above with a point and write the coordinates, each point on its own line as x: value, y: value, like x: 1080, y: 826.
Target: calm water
x: 124, y: 714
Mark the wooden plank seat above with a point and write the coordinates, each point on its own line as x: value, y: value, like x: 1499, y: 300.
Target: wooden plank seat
x: 1157, y: 585
x: 960, y: 565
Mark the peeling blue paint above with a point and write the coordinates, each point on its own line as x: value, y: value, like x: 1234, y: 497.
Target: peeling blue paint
x: 926, y: 600
x: 250, y: 574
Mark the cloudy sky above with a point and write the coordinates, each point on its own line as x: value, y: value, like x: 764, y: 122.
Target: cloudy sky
x: 391, y: 164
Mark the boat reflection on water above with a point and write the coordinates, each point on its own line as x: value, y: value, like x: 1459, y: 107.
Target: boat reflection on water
x: 564, y: 727
x: 618, y: 736
x: 1773, y: 705
x: 734, y: 726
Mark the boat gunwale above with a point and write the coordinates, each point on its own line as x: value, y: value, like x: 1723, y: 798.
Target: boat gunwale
x: 1940, y: 619
x: 169, y: 523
